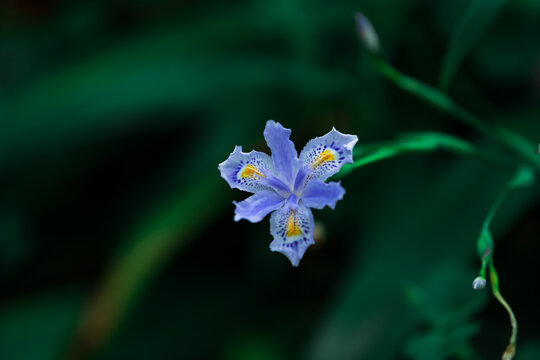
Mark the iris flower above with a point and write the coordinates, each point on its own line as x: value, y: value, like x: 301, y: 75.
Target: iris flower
x: 288, y: 185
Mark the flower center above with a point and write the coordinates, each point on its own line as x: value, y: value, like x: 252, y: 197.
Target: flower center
x: 322, y: 158
x: 251, y: 171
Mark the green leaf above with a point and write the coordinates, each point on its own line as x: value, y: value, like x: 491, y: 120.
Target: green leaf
x: 523, y: 178
x: 443, y: 298
x: 173, y: 69
x: 38, y: 328
x: 519, y: 144
x: 474, y: 21
x: 440, y: 344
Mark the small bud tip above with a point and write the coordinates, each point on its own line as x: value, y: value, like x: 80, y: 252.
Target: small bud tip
x: 366, y: 33
x: 479, y: 283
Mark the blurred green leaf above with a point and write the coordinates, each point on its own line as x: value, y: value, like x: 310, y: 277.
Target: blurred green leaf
x: 167, y: 69
x: 524, y: 177
x: 446, y: 303
x: 151, y: 247
x: 181, y: 206
x: 474, y: 21
x: 440, y: 306
x: 440, y: 345
x: 515, y: 141
x: 38, y: 328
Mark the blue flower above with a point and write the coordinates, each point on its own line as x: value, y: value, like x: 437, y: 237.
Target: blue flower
x: 288, y: 185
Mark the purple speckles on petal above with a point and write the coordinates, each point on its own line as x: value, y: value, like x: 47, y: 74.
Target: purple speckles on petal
x: 290, y: 239
x: 245, y: 171
x: 326, y: 154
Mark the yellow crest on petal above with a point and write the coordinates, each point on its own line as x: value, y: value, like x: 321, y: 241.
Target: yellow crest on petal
x: 292, y: 226
x: 323, y: 158
x: 251, y: 171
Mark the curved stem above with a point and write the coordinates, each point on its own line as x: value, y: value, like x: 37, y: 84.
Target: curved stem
x: 523, y: 177
x: 511, y: 348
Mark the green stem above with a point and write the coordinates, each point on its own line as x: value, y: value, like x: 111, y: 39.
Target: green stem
x: 418, y: 143
x: 511, y: 348
x: 439, y: 100
x: 495, y: 206
x: 523, y: 177
x: 371, y: 158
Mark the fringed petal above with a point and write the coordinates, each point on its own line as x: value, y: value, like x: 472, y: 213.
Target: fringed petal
x: 292, y: 229
x: 325, y: 155
x: 252, y: 172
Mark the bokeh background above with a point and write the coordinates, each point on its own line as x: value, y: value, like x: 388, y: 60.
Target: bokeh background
x: 117, y: 238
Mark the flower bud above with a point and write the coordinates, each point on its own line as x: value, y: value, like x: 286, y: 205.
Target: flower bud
x: 479, y: 283
x: 366, y: 33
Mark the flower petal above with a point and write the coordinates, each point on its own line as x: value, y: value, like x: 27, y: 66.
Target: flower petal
x: 258, y: 205
x: 284, y: 154
x: 251, y: 172
x: 325, y: 155
x: 292, y: 229
x: 318, y: 194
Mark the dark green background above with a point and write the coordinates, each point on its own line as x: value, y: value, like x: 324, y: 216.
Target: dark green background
x: 117, y: 238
